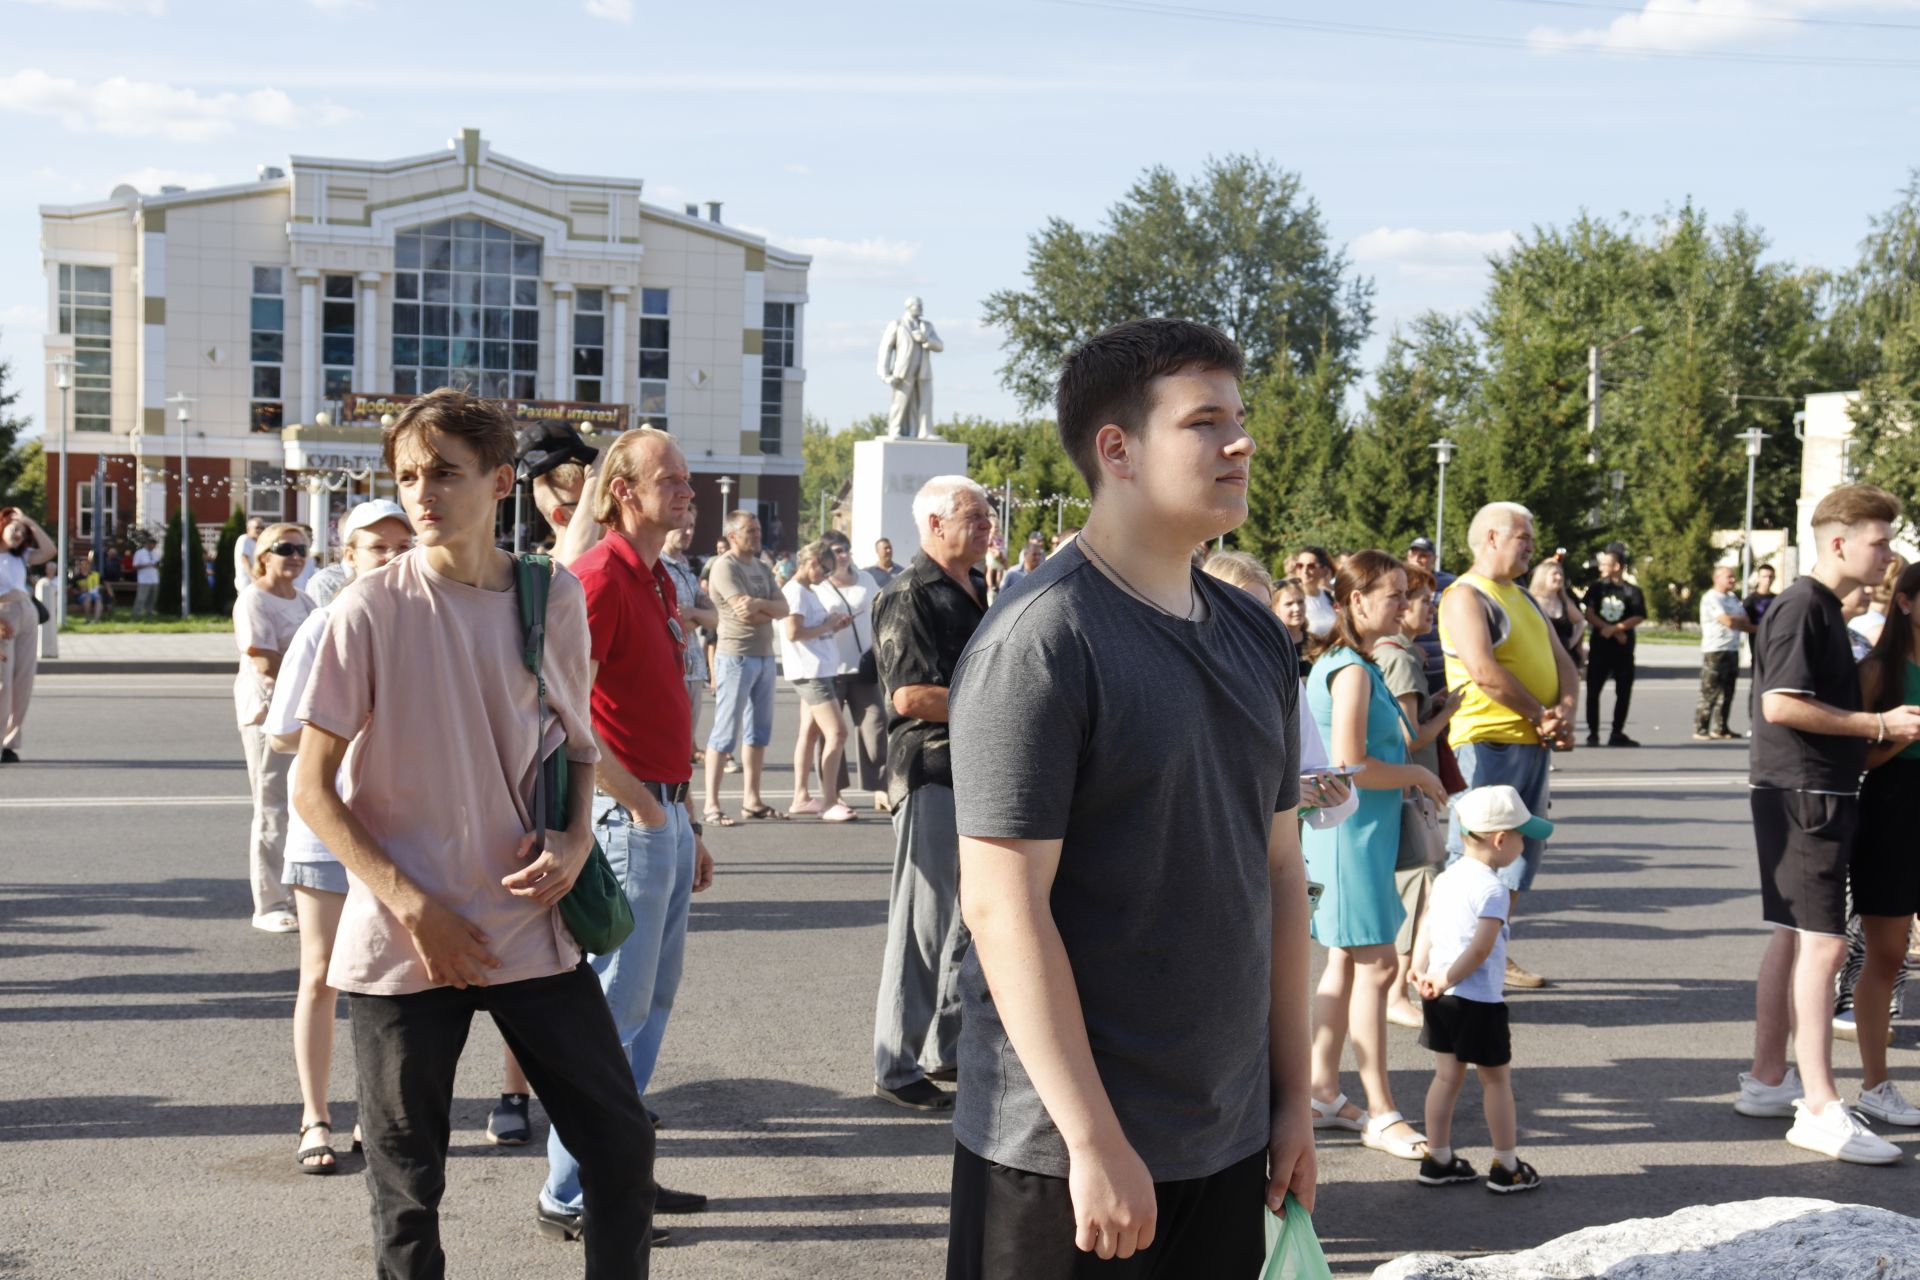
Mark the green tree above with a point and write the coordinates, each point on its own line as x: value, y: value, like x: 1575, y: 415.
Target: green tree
x: 28, y: 488
x: 1242, y: 248
x: 1029, y: 457
x: 222, y: 593
x: 1427, y: 388
x: 1296, y: 490
x: 167, y: 603
x: 827, y: 458
x: 15, y: 456
x: 1880, y: 314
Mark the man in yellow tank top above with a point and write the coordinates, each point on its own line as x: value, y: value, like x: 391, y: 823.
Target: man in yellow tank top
x: 1518, y: 685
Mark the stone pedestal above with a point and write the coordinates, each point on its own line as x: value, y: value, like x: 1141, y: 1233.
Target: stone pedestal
x: 886, y: 476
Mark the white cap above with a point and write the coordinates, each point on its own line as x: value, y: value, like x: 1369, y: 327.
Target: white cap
x: 1485, y: 810
x: 373, y: 511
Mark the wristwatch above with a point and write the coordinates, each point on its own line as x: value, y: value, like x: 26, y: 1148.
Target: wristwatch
x: 698, y: 829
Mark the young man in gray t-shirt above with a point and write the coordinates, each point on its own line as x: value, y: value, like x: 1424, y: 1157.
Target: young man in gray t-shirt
x: 1133, y: 1053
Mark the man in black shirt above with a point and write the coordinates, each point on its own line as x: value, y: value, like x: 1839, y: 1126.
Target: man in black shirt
x: 921, y: 623
x: 1615, y: 608
x: 1809, y: 749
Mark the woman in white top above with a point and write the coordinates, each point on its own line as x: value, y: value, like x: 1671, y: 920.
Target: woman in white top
x: 24, y: 545
x: 851, y: 590
x: 318, y: 881
x: 265, y: 617
x: 811, y: 659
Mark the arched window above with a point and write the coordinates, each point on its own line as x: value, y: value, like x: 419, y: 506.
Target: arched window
x: 466, y: 309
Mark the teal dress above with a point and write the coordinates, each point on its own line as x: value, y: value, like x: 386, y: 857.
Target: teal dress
x: 1359, y: 907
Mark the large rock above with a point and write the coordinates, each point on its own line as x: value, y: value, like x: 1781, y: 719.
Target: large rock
x: 1781, y: 1238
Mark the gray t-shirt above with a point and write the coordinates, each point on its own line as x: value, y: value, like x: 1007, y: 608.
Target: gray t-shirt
x: 731, y: 576
x: 1157, y: 751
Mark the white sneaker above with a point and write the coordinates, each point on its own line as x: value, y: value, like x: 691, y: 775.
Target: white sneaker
x: 1837, y: 1132
x: 1768, y: 1101
x: 1884, y: 1103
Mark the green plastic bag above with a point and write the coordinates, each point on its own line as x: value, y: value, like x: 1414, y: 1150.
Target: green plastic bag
x: 1293, y: 1251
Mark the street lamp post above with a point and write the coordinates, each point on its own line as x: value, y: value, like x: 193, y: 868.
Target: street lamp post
x: 63, y: 379
x: 1593, y: 378
x: 1442, y: 451
x: 1752, y: 436
x: 184, y: 413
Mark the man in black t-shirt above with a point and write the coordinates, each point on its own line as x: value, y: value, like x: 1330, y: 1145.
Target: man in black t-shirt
x: 1809, y: 750
x: 1615, y: 608
x: 1133, y: 1037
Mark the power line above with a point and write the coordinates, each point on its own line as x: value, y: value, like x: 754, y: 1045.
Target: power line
x: 1415, y: 35
x: 1723, y: 15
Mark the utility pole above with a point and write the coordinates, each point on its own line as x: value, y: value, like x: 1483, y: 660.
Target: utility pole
x: 1752, y: 436
x: 63, y: 378
x: 1443, y: 451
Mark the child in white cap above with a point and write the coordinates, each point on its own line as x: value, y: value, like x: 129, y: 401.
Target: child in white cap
x: 1460, y: 965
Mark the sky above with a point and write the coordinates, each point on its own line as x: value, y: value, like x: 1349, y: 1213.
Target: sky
x: 914, y: 148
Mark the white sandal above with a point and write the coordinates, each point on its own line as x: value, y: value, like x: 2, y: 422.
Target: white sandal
x: 1375, y: 1135
x: 1326, y: 1115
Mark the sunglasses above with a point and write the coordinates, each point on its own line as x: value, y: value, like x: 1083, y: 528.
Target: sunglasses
x: 288, y: 549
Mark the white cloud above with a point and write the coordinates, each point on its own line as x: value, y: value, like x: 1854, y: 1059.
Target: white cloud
x: 798, y: 169
x: 1690, y: 25
x: 1439, y: 256
x: 611, y: 10
x: 146, y: 109
x: 156, y: 8
x: 151, y: 179
x: 875, y: 260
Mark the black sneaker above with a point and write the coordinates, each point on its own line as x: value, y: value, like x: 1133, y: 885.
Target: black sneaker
x: 1435, y: 1174
x: 557, y: 1224
x: 9, y: 756
x: 1504, y: 1181
x: 1593, y: 737
x: 508, y: 1125
x: 921, y: 1095
x: 665, y: 1201
x: 1619, y: 739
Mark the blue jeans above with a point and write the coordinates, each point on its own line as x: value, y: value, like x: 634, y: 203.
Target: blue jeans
x: 639, y: 979
x: 1522, y: 766
x: 741, y: 684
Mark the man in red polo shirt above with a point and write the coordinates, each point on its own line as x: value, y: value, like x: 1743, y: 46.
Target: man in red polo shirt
x: 642, y: 723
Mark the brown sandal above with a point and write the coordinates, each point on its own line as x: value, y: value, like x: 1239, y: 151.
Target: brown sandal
x: 716, y: 818
x: 763, y: 812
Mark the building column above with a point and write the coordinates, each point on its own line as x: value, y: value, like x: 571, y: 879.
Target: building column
x: 617, y: 347
x: 309, y: 343
x: 562, y: 385
x: 367, y: 326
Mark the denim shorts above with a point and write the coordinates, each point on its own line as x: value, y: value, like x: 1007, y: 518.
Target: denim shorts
x: 816, y: 692
x: 321, y: 877
x: 1522, y: 766
x: 743, y: 691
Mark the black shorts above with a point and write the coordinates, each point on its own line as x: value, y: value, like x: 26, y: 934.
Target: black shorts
x: 1007, y: 1224
x: 1805, y: 841
x: 1474, y: 1031
x: 1886, y: 856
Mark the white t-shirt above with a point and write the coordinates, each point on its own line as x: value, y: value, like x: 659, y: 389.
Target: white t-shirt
x: 1465, y: 894
x: 815, y: 659
x: 13, y: 573
x: 243, y: 561
x: 262, y: 620
x: 146, y: 568
x: 1320, y: 615
x: 296, y: 664
x: 857, y: 602
x: 1715, y: 638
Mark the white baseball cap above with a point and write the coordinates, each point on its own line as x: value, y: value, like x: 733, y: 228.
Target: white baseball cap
x: 1485, y: 810
x: 371, y: 512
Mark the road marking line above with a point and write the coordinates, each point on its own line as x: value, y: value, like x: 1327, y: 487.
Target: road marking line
x: 1648, y: 781
x: 121, y: 802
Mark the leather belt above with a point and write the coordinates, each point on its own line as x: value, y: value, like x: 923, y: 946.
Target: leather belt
x: 664, y: 792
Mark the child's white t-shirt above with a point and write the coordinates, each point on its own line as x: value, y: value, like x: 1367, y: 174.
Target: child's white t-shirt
x: 1465, y: 894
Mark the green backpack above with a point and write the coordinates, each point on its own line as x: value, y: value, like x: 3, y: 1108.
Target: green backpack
x: 596, y: 908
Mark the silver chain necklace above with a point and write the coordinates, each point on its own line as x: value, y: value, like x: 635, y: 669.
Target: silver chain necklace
x: 1135, y: 592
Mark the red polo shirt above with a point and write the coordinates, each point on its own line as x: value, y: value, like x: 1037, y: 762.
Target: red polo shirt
x: 640, y: 706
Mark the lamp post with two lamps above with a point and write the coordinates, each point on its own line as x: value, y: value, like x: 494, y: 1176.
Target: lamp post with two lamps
x: 63, y: 379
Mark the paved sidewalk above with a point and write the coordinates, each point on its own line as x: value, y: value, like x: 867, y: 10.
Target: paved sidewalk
x: 86, y: 653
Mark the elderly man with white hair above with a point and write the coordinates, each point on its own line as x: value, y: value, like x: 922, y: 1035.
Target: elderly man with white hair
x: 921, y: 624
x: 1519, y: 684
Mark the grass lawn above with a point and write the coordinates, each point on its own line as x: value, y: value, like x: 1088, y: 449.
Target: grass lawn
x: 127, y: 625
x: 1668, y: 635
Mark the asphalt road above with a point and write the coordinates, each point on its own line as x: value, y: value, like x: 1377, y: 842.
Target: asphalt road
x: 148, y: 1102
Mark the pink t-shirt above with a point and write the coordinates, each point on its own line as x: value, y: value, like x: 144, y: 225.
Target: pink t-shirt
x: 424, y: 676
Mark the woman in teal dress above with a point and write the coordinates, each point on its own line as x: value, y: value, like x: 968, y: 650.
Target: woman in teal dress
x: 1360, y: 911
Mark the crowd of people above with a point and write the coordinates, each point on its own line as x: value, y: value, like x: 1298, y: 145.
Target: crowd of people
x: 1116, y: 994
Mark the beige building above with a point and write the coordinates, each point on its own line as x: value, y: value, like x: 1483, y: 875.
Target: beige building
x: 284, y: 314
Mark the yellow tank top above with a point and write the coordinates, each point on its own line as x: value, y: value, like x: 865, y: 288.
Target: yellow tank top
x: 1523, y: 643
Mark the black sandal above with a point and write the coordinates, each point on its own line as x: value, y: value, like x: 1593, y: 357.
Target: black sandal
x: 763, y: 812
x: 305, y: 1154
x: 715, y: 818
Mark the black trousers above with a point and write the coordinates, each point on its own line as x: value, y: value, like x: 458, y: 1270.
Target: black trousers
x: 1609, y: 660
x: 1719, y: 673
x: 1011, y: 1225
x: 562, y: 1032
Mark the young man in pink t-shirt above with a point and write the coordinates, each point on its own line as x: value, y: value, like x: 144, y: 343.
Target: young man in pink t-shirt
x: 420, y: 692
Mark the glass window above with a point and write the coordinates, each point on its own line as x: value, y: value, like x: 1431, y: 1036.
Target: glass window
x: 655, y: 344
x: 266, y: 490
x: 86, y: 313
x: 778, y: 339
x: 109, y: 507
x: 268, y: 346
x: 653, y: 302
x: 466, y: 279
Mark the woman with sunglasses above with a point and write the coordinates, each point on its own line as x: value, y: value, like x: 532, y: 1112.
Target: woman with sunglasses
x: 266, y: 615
